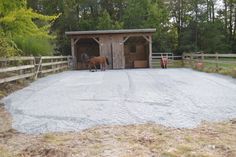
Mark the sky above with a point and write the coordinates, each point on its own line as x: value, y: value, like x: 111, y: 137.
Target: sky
x: 219, y: 4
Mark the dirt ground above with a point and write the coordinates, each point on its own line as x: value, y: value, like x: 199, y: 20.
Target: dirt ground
x: 207, y: 140
x: 144, y: 140
x: 78, y: 100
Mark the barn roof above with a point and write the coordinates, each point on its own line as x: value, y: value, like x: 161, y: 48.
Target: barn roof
x: 120, y: 31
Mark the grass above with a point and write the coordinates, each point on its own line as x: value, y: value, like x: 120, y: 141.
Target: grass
x: 207, y: 140
x: 4, y: 152
x: 173, y: 64
x: 55, y: 139
x: 223, y: 68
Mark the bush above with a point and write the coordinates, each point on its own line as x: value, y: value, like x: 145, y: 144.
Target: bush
x: 7, y: 47
x: 31, y: 45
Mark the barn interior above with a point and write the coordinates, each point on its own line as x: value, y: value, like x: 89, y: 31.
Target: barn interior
x: 136, y: 50
x: 89, y: 46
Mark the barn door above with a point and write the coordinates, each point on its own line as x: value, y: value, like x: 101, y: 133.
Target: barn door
x: 106, y: 48
x: 118, y: 52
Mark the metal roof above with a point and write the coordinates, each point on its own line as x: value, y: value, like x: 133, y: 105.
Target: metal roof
x: 120, y: 31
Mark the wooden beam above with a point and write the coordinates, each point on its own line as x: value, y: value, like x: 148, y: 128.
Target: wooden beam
x: 73, y: 54
x: 54, y: 63
x: 76, y: 40
x: 150, y: 52
x: 146, y: 37
x: 54, y: 57
x: 16, y: 68
x: 94, y: 38
x: 38, y: 68
x: 16, y: 59
x: 98, y: 36
x: 54, y: 69
x: 126, y: 38
x: 13, y: 78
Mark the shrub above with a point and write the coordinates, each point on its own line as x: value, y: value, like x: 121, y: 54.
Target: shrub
x: 35, y: 46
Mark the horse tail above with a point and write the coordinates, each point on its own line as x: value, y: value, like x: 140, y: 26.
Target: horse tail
x: 107, y: 61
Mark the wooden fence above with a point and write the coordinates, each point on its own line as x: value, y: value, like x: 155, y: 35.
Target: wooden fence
x: 215, y: 59
x: 156, y: 59
x: 16, y: 68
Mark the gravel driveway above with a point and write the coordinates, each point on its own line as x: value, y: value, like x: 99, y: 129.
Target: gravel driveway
x: 76, y: 100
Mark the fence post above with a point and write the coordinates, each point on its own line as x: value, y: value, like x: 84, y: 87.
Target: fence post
x: 32, y: 62
x: 38, y: 68
x: 183, y: 61
x: 191, y: 59
x: 202, y: 57
x: 68, y: 62
x: 217, y: 62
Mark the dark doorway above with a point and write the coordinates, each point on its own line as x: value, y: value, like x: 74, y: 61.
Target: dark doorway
x: 89, y: 46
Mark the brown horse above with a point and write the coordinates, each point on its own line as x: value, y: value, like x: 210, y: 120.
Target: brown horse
x: 164, y: 62
x: 99, y: 60
x: 199, y: 65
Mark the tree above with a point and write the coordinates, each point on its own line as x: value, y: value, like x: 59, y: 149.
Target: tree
x: 105, y: 22
x: 182, y: 25
x: 19, y: 22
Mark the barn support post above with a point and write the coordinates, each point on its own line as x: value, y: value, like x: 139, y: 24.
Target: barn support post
x: 126, y: 38
x: 99, y: 43
x: 150, y: 51
x: 74, y: 59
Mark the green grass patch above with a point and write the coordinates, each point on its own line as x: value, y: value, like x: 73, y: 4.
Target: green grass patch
x: 35, y: 46
x: 221, y: 68
x: 5, y: 153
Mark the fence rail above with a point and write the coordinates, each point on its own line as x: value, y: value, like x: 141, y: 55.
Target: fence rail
x: 156, y: 59
x: 215, y: 59
x: 192, y: 59
x: 17, y: 68
x: 211, y: 55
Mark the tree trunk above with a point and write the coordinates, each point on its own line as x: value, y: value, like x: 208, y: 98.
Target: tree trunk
x: 213, y: 12
x: 226, y: 16
x: 179, y: 18
x: 196, y: 27
x: 234, y: 34
x: 230, y: 20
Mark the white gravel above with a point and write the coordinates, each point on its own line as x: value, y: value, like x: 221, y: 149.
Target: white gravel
x: 76, y: 100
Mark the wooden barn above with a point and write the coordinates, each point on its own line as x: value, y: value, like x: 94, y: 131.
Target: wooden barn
x: 127, y: 48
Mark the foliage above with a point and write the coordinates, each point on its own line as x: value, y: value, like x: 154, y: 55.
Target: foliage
x: 105, y: 22
x: 7, y: 47
x: 21, y: 24
x: 213, y: 38
x: 182, y: 25
x: 35, y: 46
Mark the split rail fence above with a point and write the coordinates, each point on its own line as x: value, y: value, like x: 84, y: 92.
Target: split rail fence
x: 17, y: 68
x: 216, y: 60
x: 190, y: 59
x: 156, y: 59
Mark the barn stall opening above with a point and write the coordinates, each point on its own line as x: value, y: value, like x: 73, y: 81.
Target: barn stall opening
x: 127, y: 48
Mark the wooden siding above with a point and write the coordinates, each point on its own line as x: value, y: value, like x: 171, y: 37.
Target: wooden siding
x: 105, y: 48
x: 111, y: 44
x: 118, y: 52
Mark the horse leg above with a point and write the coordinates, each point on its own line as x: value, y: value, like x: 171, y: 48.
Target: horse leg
x: 95, y: 67
x: 89, y: 67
